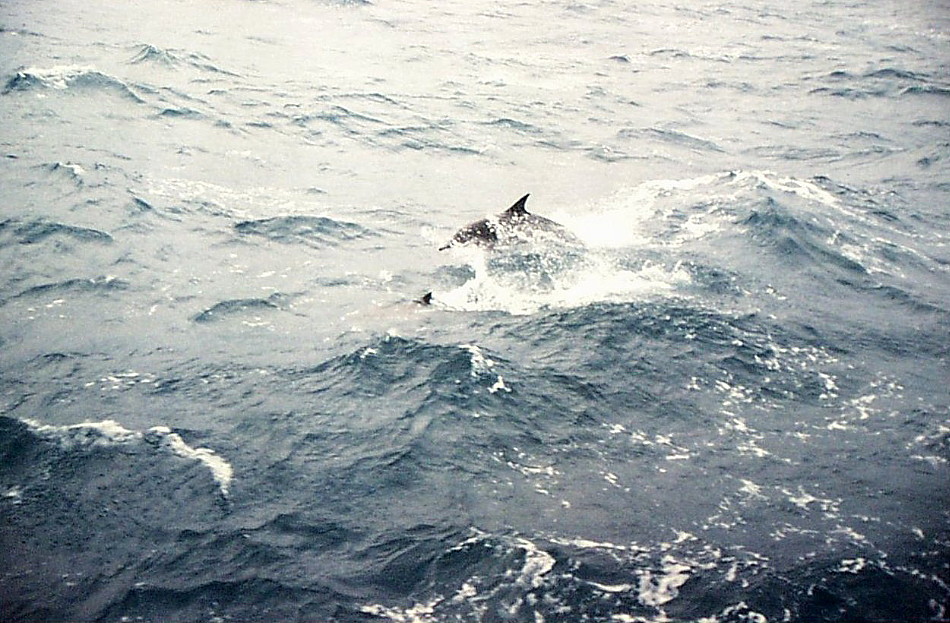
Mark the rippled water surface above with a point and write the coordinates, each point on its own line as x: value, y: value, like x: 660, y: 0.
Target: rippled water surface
x: 719, y: 393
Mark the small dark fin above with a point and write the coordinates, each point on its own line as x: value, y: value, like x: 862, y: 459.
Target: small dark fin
x: 518, y: 208
x: 426, y: 299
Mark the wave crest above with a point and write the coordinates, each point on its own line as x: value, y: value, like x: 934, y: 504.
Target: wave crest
x: 69, y: 78
x: 313, y: 231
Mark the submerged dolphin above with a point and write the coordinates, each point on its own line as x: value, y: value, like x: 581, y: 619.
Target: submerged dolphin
x: 513, y: 225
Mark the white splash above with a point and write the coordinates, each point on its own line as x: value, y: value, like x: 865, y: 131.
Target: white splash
x: 14, y: 495
x: 852, y: 565
x: 482, y: 366
x: 656, y: 589
x: 598, y: 281
x: 499, y: 385
x: 803, y: 499
x: 624, y: 219
x: 221, y: 470
x: 110, y: 433
x: 419, y: 613
x: 537, y: 564
x: 751, y: 490
x: 480, y: 363
x: 58, y: 77
x: 104, y: 433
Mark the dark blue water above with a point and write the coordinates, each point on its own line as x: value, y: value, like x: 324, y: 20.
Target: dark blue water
x: 219, y: 401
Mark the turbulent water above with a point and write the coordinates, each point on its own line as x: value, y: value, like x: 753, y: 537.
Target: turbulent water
x: 729, y: 402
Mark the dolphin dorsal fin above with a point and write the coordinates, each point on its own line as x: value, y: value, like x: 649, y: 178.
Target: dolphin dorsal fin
x: 518, y: 208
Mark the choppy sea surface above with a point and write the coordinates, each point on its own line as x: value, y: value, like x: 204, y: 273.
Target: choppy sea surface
x: 219, y: 402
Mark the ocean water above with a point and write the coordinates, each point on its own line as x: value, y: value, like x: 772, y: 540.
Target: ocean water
x: 220, y: 402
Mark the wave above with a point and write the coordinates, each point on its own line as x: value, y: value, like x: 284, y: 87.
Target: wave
x: 177, y: 198
x: 435, y: 383
x: 70, y: 171
x: 926, y: 89
x: 240, y: 308
x: 313, y: 231
x: 683, y: 577
x: 514, y: 124
x: 796, y: 240
x: 673, y: 137
x: 386, y: 360
x: 182, y: 112
x: 765, y: 207
x: 679, y: 54
x: 883, y: 82
x: 150, y: 54
x: 492, y: 573
x: 107, y: 434
x: 106, y: 284
x: 832, y: 225
x: 34, y: 232
x: 194, y: 596
x: 430, y: 137
x: 146, y: 53
x: 339, y: 116
x: 73, y: 78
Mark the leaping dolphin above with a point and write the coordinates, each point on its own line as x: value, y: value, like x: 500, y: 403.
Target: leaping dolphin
x: 513, y: 225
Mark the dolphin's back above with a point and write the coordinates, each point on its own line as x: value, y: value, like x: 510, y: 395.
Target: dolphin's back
x: 513, y: 226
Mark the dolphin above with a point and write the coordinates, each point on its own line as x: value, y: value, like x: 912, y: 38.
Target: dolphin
x: 425, y: 300
x: 513, y: 225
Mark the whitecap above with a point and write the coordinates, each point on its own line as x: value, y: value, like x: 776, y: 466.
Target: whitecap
x: 111, y: 433
x: 221, y: 470
x: 656, y: 589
